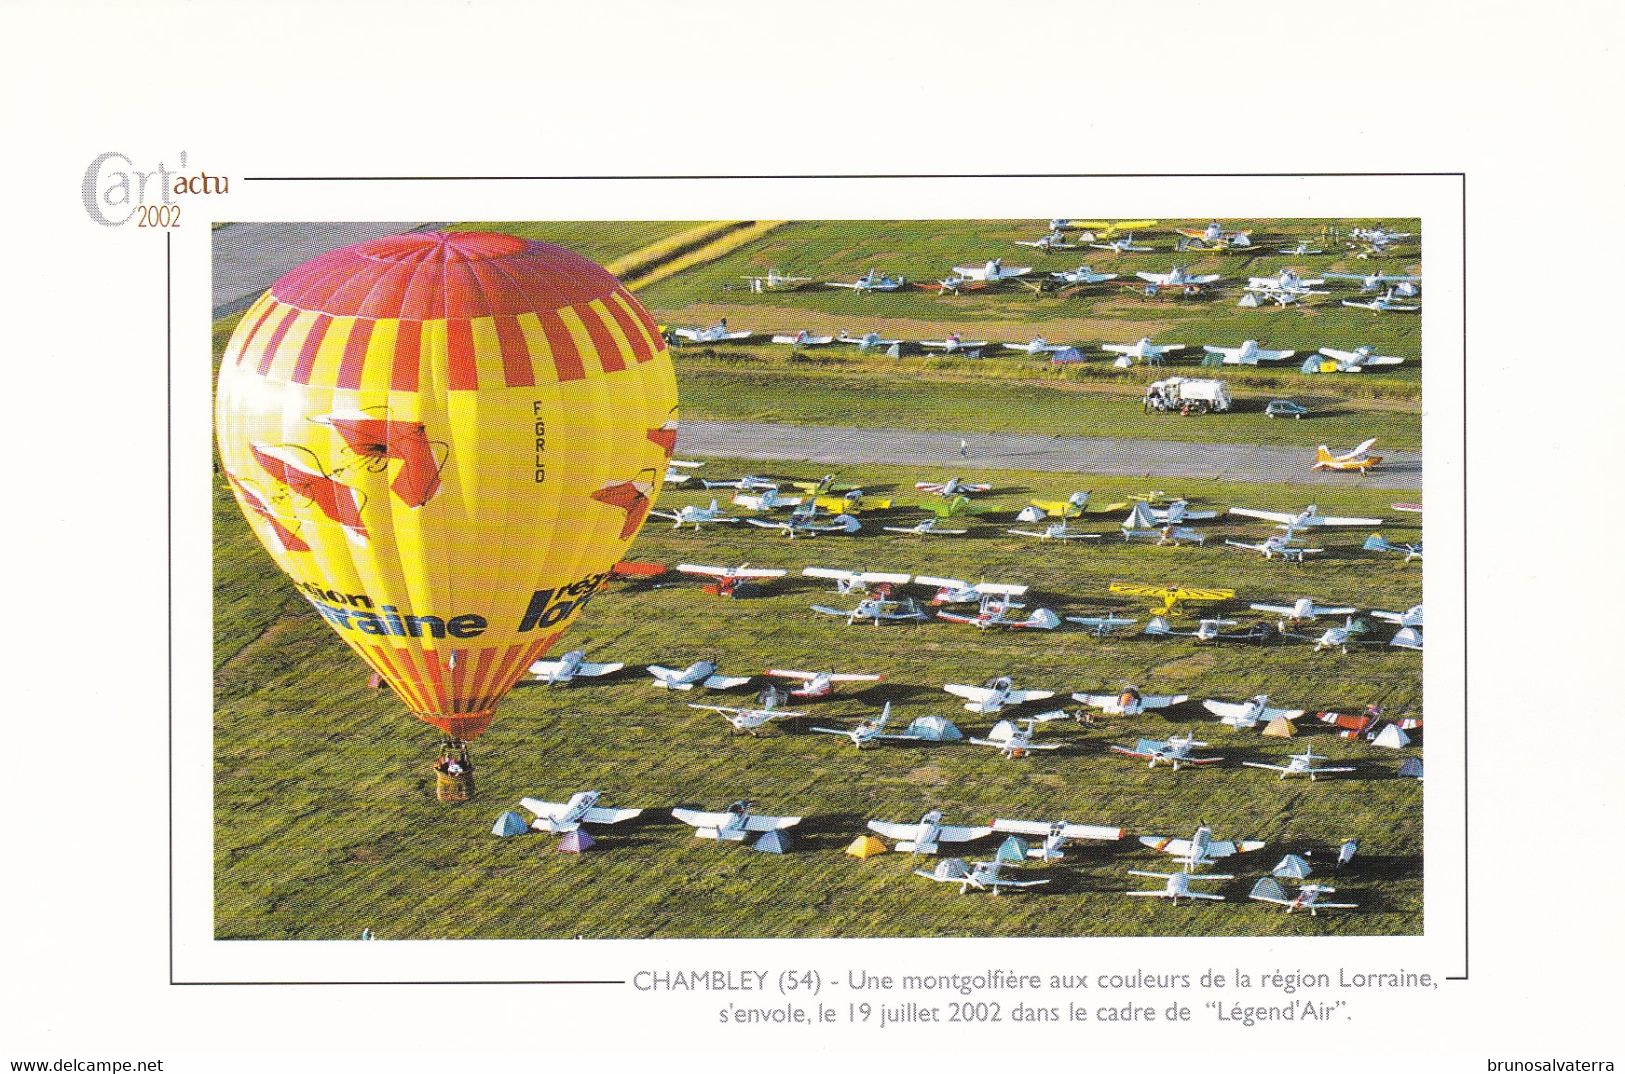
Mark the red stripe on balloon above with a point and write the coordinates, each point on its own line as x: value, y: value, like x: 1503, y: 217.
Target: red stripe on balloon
x: 408, y: 340
x: 517, y: 371
x: 629, y: 328
x: 609, y: 355
x: 566, y: 356
x: 307, y: 351
x: 355, y: 355
x: 461, y: 373
x: 284, y: 322
x: 259, y: 322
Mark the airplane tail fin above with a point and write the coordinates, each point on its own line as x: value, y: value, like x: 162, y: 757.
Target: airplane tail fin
x: 1323, y: 455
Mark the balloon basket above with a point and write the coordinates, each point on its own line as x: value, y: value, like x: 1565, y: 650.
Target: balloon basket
x: 453, y: 774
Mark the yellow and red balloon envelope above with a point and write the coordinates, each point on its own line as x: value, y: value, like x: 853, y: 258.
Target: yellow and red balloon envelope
x: 447, y: 440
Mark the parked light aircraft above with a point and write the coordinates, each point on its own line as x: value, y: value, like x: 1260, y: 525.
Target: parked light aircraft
x: 1245, y: 715
x: 1249, y: 353
x: 995, y: 608
x: 995, y: 695
x: 1299, y: 764
x: 803, y: 338
x: 775, y: 281
x: 878, y: 610
x: 1363, y: 357
x: 953, y: 344
x: 1037, y: 345
x: 750, y: 720
x: 1081, y: 275
x: 981, y: 875
x: 1309, y: 518
x: 1101, y: 625
x: 1145, y: 350
x: 954, y: 591
x: 1410, y: 617
x: 805, y: 522
x: 1384, y: 303
x: 925, y: 528
x: 1301, y: 610
x: 1285, y: 280
x: 1211, y: 630
x: 572, y: 665
x: 1352, y: 632
x: 729, y: 579
x: 1101, y: 229
x: 1179, y: 885
x: 690, y: 515
x: 951, y: 487
x: 766, y: 500
x: 1372, y: 282
x: 747, y: 483
x: 1130, y: 702
x: 1054, y: 240
x: 700, y: 673
x: 1212, y: 237
x: 675, y: 468
x: 1173, y: 751
x: 717, y: 333
x: 817, y: 684
x: 867, y: 730
x: 1299, y: 249
x: 1056, y: 835
x: 1201, y: 848
x: 1144, y: 514
x: 560, y: 818
x: 1359, y: 459
x: 1165, y: 535
x: 926, y: 835
x: 1123, y: 245
x: 734, y: 824
x: 1176, y: 277
x: 1057, y: 531
x: 857, y: 581
x: 1378, y: 543
x: 1170, y: 598
x: 1307, y: 898
x: 1074, y: 506
x: 1014, y: 738
x: 869, y: 341
x: 871, y: 281
x: 992, y: 271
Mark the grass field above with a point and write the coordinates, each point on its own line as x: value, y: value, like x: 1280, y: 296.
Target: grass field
x: 325, y: 822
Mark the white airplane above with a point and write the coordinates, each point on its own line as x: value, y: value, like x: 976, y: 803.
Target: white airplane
x: 878, y: 610
x: 871, y: 281
x: 1279, y: 545
x: 981, y: 875
x: 995, y: 695
x: 572, y: 665
x: 1056, y: 531
x: 1176, y: 277
x: 1299, y: 249
x: 1404, y: 286
x: 1129, y: 701
x: 991, y: 271
x: 1359, y: 458
x: 1410, y: 617
x: 1309, y: 518
x: 804, y: 338
x: 775, y: 281
x: 1037, y: 345
x: 994, y: 609
x: 729, y: 578
x: 951, y: 487
x: 1049, y: 243
x: 805, y: 523
x: 747, y: 483
x: 954, y: 591
x: 1206, y: 629
x: 1178, y: 886
x: 1307, y: 898
x: 1081, y: 275
x: 953, y: 344
x: 717, y: 333
x: 1014, y: 738
x: 856, y: 581
x: 1056, y: 835
x: 734, y: 824
x: 869, y: 341
x: 1299, y: 764
x: 766, y: 500
x: 1212, y: 237
x: 1301, y: 610
x: 1383, y: 303
x: 690, y: 515
x: 1145, y: 350
x: 1173, y: 752
x: 1340, y: 638
x: 1101, y: 625
x: 1377, y: 543
x: 675, y: 468
x: 750, y: 720
x: 560, y: 818
x: 1200, y: 849
x: 817, y: 684
x: 1249, y: 353
x: 1165, y: 535
x: 1285, y: 280
x: 925, y: 528
x: 1359, y: 358
x: 1144, y: 514
x: 1122, y: 245
x: 700, y: 673
x: 926, y: 835
x: 1243, y: 715
x: 868, y: 730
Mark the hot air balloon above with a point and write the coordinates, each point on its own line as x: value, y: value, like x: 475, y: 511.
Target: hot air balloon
x: 446, y: 441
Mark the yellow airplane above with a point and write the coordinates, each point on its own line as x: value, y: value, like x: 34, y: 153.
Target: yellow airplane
x: 1359, y: 460
x: 1104, y: 230
x: 851, y: 503
x: 1074, y: 506
x: 1171, y: 597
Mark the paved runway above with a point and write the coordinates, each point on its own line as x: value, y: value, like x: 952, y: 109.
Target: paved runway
x: 249, y: 257
x: 1081, y: 454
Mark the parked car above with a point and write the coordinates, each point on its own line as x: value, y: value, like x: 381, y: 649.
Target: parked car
x: 1284, y: 408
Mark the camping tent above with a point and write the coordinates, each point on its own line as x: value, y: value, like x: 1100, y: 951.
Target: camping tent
x: 1292, y: 866
x: 866, y: 846
x: 1280, y: 727
x: 1030, y: 513
x: 934, y: 729
x: 510, y: 823
x: 577, y: 841
x: 1391, y: 737
x: 1411, y: 767
x: 1013, y: 849
x: 776, y: 841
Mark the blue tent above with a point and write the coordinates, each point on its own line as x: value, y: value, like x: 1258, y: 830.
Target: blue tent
x: 776, y: 841
x: 510, y: 823
x: 1013, y: 849
x: 1312, y: 364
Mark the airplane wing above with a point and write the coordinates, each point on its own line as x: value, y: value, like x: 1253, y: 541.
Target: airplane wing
x: 1279, y: 714
x: 544, y: 668
x: 1167, y: 845
x: 1271, y: 767
x: 1145, y: 749
x: 1136, y: 589
x: 961, y: 834
x: 831, y: 731
x: 894, y: 831
x: 1020, y: 696
x: 725, y: 682
x: 698, y: 819
x: 763, y: 524
x: 1270, y: 516
x: 1361, y: 448
x: 1092, y: 831
x: 541, y: 808
x: 1228, y: 708
x: 804, y: 341
x: 1162, y: 701
x: 1002, y: 883
x: 755, y: 823
x: 593, y: 671
x: 1022, y: 827
x: 969, y: 693
x: 941, y: 583
x: 1335, y: 520
x: 697, y: 568
x: 609, y: 816
x: 1275, y: 609
x: 1097, y: 700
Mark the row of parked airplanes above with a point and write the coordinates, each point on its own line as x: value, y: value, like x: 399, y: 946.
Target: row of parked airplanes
x: 739, y: 822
